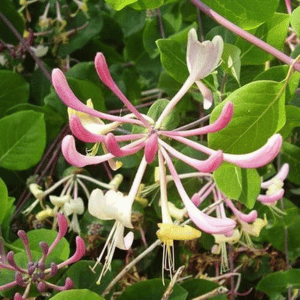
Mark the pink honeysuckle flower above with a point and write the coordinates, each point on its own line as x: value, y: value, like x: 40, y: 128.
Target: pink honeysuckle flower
x: 274, y: 187
x: 37, y: 273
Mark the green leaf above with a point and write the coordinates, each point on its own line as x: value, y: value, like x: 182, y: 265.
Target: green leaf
x: 291, y: 155
x: 150, y: 35
x: 84, y: 278
x: 152, y: 290
x: 119, y: 4
x: 295, y: 20
x: 277, y: 283
x: 3, y: 200
x: 198, y: 287
x: 237, y: 183
x: 173, y: 59
x: 275, y: 233
x: 231, y: 61
x: 8, y: 10
x: 147, y: 4
x: 246, y: 14
x: 22, y: 140
x: 60, y: 253
x: 273, y: 32
x: 279, y: 73
x: 172, y: 119
x: 259, y: 112
x: 13, y: 90
x: 292, y: 120
x: 77, y: 295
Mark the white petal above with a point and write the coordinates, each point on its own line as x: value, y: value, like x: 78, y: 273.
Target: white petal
x: 97, y: 205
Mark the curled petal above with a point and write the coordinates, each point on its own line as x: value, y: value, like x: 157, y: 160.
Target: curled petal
x: 81, y: 132
x: 104, y: 74
x: 259, y: 157
x: 208, y: 165
x: 206, y: 94
x: 65, y: 93
x: 271, y: 198
x: 281, y: 175
x: 124, y: 242
x: 80, y: 250
x: 218, y: 125
x: 113, y: 147
x: 75, y: 158
x: 151, y: 147
x: 203, y: 221
x: 248, y: 218
x: 207, y: 223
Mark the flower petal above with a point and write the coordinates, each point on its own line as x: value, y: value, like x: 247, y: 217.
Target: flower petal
x: 259, y: 157
x: 65, y: 93
x: 113, y: 147
x: 281, y: 175
x: 271, y: 198
x: 151, y: 147
x: 74, y: 158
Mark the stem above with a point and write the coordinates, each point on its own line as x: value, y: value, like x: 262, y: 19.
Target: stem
x: 129, y: 266
x: 246, y: 35
x: 160, y: 24
x: 26, y: 46
x: 188, y: 83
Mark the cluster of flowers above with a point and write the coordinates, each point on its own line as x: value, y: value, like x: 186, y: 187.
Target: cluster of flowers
x: 86, y: 124
x: 37, y: 273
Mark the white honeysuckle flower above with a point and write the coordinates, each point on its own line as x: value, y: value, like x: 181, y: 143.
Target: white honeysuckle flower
x: 60, y: 202
x: 37, y: 191
x: 74, y: 207
x: 112, y: 206
x: 202, y: 59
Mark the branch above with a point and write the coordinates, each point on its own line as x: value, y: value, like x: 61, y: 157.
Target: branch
x: 246, y: 35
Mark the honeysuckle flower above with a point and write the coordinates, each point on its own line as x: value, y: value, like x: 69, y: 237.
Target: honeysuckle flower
x: 202, y: 59
x: 68, y: 202
x: 112, y: 206
x: 274, y: 187
x: 74, y: 207
x: 38, y: 273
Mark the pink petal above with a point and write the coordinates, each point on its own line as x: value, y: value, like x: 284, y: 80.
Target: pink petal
x: 104, y: 74
x: 62, y: 230
x: 208, y: 165
x: 281, y: 175
x: 203, y: 221
x: 151, y: 147
x: 218, y: 125
x: 248, y: 218
x: 65, y: 93
x: 74, y: 158
x: 259, y: 157
x: 113, y: 147
x: 80, y: 250
x: 81, y: 133
x: 271, y: 198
